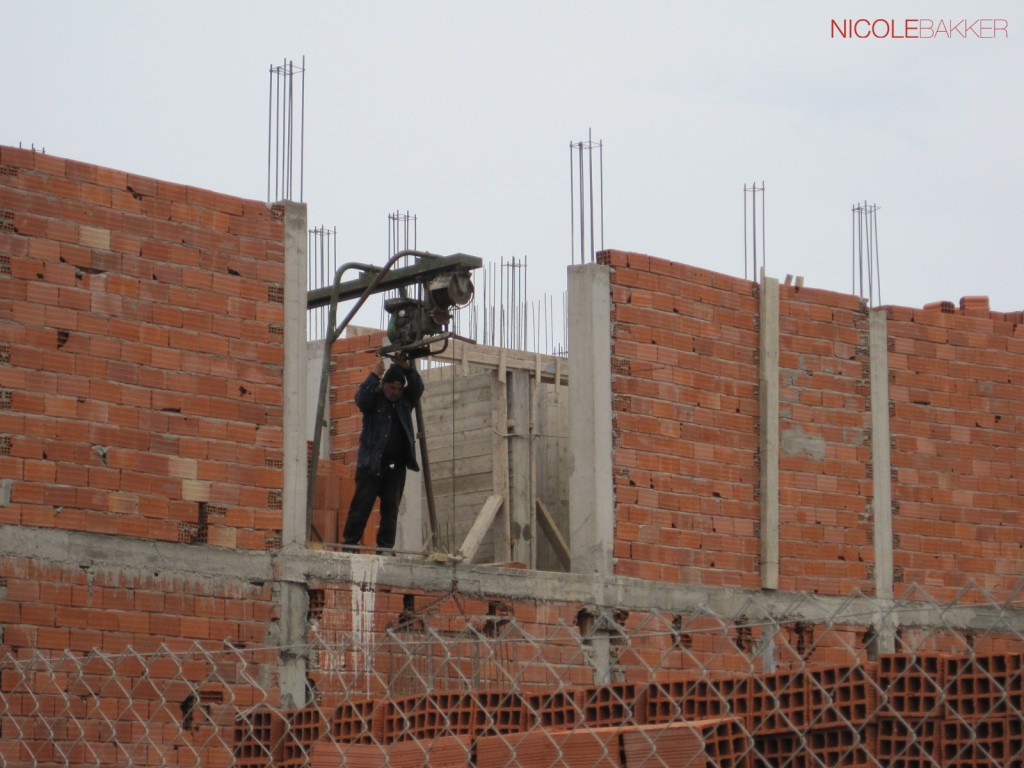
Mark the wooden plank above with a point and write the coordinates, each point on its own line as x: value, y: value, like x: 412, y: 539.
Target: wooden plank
x: 558, y: 542
x: 468, y: 450
x: 480, y: 527
x: 463, y: 484
x: 468, y: 420
x: 499, y: 419
x: 519, y: 494
x: 495, y: 357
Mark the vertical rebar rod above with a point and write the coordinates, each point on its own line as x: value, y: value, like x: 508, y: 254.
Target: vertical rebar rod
x: 270, y: 129
x: 590, y: 162
x: 860, y: 250
x: 286, y: 168
x: 753, y: 209
x: 870, y: 219
x: 764, y: 223
x: 853, y: 249
x: 583, y: 259
x: 302, y: 134
x: 277, y: 132
x: 601, y: 166
x: 744, y: 231
x: 878, y: 263
x: 572, y: 209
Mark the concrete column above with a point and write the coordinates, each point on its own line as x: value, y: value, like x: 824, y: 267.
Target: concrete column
x: 293, y: 598
x: 296, y: 423
x: 769, y: 437
x: 881, y: 455
x: 591, y: 497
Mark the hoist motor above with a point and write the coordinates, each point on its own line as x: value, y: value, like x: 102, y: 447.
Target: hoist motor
x: 414, y: 321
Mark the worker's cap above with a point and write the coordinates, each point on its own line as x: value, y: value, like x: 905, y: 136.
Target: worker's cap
x: 394, y: 373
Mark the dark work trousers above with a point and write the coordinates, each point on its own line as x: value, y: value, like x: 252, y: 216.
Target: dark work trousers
x: 388, y: 486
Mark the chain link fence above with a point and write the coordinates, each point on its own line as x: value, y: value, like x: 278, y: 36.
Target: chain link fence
x: 807, y: 686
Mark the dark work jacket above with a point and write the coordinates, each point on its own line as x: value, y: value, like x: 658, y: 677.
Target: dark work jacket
x: 376, y: 418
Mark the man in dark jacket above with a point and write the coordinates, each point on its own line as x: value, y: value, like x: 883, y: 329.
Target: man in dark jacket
x: 386, y: 448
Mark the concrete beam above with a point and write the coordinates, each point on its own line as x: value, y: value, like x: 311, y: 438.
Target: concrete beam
x: 591, y: 494
x: 300, y: 568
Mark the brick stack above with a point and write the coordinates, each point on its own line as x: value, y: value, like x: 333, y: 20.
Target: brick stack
x: 259, y: 738
x: 305, y: 727
x: 984, y: 697
x: 910, y: 719
x: 906, y: 710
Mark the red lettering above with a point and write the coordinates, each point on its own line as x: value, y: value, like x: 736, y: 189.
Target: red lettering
x: 915, y: 29
x: 843, y: 30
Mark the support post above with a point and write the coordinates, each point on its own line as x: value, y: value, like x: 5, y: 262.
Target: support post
x: 881, y: 475
x: 294, y: 489
x: 519, y: 444
x: 769, y: 437
x: 499, y: 463
x: 591, y: 494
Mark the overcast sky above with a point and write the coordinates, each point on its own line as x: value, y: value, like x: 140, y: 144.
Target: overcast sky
x: 461, y: 112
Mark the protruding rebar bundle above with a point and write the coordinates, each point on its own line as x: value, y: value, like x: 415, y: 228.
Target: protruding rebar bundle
x: 864, y: 246
x: 750, y: 230
x: 581, y: 169
x: 281, y: 139
x: 322, y: 250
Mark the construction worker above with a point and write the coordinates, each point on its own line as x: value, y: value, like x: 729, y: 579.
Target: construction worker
x: 386, y: 448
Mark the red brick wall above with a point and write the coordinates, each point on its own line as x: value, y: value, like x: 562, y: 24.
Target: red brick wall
x: 686, y: 425
x: 825, y: 532
x: 50, y: 607
x: 685, y: 409
x: 351, y: 361
x: 957, y: 417
x: 140, y: 355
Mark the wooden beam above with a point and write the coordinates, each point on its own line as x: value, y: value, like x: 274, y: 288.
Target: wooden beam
x: 480, y: 526
x: 558, y: 543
